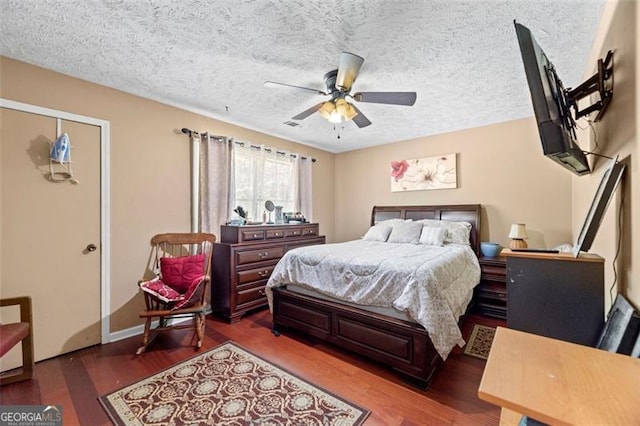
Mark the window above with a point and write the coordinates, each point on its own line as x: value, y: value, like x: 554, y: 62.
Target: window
x: 258, y: 176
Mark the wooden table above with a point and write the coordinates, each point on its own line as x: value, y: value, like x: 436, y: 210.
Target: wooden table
x: 560, y: 383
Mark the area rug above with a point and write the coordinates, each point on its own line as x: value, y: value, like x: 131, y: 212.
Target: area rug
x: 228, y: 385
x: 480, y: 341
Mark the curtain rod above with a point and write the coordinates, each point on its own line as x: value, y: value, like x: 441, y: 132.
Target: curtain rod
x: 268, y: 149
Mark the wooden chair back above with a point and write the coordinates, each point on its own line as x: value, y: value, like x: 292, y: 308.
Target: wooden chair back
x: 183, y: 244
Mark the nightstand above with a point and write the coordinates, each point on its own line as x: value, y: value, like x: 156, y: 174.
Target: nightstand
x: 491, y: 294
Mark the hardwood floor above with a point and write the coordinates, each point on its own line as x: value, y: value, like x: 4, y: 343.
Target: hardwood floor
x: 75, y: 380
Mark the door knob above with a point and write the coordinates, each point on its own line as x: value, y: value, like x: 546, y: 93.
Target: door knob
x: 91, y: 247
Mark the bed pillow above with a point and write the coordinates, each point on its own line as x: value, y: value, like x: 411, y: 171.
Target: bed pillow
x: 392, y: 222
x: 433, y: 236
x: 457, y: 232
x: 378, y: 232
x: 405, y: 232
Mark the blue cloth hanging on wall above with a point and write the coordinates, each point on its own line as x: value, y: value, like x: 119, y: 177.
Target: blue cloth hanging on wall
x: 60, y: 149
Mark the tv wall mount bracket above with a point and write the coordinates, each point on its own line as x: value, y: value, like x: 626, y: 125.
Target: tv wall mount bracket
x: 601, y: 82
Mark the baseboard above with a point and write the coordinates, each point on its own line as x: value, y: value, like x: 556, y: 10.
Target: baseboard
x: 139, y: 329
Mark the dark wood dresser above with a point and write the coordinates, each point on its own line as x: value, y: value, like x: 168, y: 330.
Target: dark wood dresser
x: 244, y: 259
x: 491, y: 293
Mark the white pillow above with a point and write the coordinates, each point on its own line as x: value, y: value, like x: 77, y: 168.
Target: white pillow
x: 405, y: 232
x: 377, y: 233
x: 457, y: 232
x: 433, y: 236
x: 392, y: 222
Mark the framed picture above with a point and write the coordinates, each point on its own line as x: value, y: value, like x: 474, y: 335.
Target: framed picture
x: 422, y: 174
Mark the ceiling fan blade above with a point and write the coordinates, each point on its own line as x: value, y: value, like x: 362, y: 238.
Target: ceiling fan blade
x: 393, y: 98
x: 304, y: 114
x: 276, y: 84
x: 348, y: 70
x: 360, y: 120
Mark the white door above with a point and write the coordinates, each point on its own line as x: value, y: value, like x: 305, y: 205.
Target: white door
x: 49, y: 230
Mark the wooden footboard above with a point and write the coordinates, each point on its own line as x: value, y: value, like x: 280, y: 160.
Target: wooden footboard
x: 402, y: 345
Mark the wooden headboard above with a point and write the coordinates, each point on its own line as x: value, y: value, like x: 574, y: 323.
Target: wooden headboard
x: 458, y: 213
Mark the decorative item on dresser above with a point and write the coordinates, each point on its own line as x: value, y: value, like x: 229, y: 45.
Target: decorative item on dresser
x: 244, y: 259
x: 491, y: 293
x: 517, y: 234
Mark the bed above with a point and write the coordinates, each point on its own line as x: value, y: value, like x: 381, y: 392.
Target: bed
x: 392, y: 331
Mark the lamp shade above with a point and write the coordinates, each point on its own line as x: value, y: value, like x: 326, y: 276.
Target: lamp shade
x: 518, y: 231
x: 337, y: 111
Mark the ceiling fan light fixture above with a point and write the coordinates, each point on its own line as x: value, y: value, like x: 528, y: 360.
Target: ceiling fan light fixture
x: 351, y: 113
x: 326, y: 109
x: 335, y: 118
x: 337, y: 111
x: 338, y: 85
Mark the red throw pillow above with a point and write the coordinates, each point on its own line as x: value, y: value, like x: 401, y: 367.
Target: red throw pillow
x: 180, y: 272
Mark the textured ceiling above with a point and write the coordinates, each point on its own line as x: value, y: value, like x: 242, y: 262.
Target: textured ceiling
x: 212, y: 57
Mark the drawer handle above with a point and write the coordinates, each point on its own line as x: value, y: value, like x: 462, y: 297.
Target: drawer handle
x: 263, y: 273
x: 276, y: 234
x: 255, y: 235
x: 263, y: 255
x: 262, y: 292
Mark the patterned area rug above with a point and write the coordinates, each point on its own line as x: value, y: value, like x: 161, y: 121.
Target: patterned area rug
x: 480, y: 341
x: 228, y: 385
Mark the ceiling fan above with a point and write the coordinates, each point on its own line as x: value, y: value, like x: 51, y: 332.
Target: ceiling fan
x: 338, y: 85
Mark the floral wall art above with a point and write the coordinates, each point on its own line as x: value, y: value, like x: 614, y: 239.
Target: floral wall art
x: 424, y: 173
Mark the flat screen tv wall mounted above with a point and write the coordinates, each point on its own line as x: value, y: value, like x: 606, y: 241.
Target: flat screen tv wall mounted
x: 608, y: 183
x: 552, y: 103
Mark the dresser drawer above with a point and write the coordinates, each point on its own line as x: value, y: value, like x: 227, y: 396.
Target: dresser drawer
x: 494, y: 272
x: 310, y: 232
x: 254, y: 274
x: 250, y: 256
x: 251, y: 235
x: 274, y: 234
x: 295, y: 232
x: 492, y: 290
x: 250, y: 292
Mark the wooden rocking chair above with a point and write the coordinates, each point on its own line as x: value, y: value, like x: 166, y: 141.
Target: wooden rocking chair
x: 183, y: 272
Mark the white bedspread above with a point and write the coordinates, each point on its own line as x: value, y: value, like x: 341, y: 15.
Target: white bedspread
x: 433, y: 285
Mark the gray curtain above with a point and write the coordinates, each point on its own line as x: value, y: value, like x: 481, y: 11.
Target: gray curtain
x: 305, y: 187
x: 215, y: 182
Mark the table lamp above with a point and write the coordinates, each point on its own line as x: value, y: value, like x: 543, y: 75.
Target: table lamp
x: 517, y: 234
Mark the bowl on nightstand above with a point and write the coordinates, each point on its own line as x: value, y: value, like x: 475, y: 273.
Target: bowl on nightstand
x: 490, y: 249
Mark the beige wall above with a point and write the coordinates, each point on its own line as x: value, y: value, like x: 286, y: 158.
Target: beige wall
x: 617, y: 134
x: 149, y: 168
x: 500, y: 166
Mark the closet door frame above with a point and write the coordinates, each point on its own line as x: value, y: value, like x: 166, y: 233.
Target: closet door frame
x: 104, y: 125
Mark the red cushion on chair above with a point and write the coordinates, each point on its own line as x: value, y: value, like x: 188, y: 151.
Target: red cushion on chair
x: 180, y: 272
x: 193, y: 293
x: 162, y: 291
x: 11, y: 335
